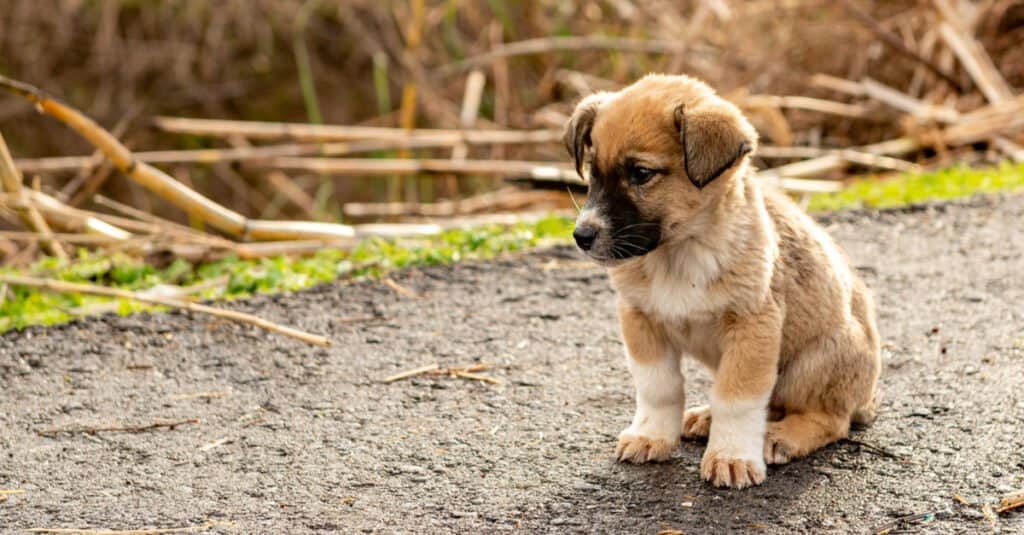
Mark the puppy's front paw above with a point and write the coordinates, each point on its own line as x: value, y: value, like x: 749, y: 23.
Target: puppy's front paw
x: 697, y: 422
x: 640, y: 449
x: 723, y: 470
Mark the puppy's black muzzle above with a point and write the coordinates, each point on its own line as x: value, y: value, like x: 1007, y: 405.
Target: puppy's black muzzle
x: 585, y: 236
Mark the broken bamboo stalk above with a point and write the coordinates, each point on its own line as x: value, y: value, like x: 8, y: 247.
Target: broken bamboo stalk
x: 906, y: 103
x: 11, y: 182
x: 379, y: 166
x: 89, y: 289
x: 167, y: 187
x: 503, y: 199
x: 976, y: 62
x: 322, y: 132
x: 551, y: 44
x: 804, y: 103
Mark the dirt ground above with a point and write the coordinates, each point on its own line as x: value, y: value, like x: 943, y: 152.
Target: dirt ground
x: 279, y: 437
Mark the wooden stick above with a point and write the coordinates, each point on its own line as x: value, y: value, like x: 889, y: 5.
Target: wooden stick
x: 406, y: 374
x: 551, y: 44
x: 804, y: 103
x: 11, y: 181
x: 379, y: 166
x: 896, y: 43
x: 84, y: 239
x: 839, y: 85
x: 69, y: 287
x: 156, y: 531
x: 167, y: 187
x: 159, y: 424
x: 503, y: 199
x: 977, y: 63
x: 321, y: 132
x: 400, y: 290
x: 8, y: 492
x: 1011, y: 501
x: 1014, y: 151
x: 238, y: 154
x: 67, y: 217
x: 904, y: 102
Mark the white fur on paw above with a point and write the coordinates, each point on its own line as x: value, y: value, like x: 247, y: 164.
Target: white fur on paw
x: 722, y: 470
x: 640, y: 449
x: 697, y: 422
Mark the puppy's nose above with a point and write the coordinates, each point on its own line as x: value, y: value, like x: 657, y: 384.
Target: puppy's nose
x: 585, y: 236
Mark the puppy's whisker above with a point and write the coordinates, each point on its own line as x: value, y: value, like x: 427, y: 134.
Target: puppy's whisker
x: 573, y: 199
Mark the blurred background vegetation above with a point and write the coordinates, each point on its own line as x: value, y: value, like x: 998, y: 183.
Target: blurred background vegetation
x: 823, y: 82
x: 349, y: 62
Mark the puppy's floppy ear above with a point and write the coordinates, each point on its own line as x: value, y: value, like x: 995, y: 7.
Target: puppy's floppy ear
x: 714, y: 138
x: 577, y: 130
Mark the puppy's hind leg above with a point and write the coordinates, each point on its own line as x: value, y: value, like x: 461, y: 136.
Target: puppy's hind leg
x: 654, y: 433
x: 799, y: 434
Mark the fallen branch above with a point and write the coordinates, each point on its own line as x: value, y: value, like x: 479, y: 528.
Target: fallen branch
x: 977, y: 63
x: 11, y: 181
x: 503, y: 199
x: 896, y: 44
x: 246, y: 154
x: 550, y: 44
x: 167, y: 187
x: 242, y: 317
x: 379, y: 166
x: 322, y: 132
x: 804, y: 103
x: 171, y: 424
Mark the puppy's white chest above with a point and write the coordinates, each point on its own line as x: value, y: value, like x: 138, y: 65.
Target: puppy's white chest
x: 680, y: 286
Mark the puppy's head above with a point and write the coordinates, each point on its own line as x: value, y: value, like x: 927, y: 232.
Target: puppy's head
x: 653, y: 154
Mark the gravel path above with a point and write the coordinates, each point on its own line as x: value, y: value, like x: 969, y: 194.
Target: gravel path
x: 277, y: 437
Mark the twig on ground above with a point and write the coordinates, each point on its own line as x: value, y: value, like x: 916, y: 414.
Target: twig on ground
x: 154, y: 531
x: 360, y: 319
x: 410, y: 373
x: 877, y: 450
x: 68, y: 287
x: 159, y: 424
x: 8, y: 492
x: 401, y: 290
x: 1011, y: 501
x: 202, y: 395
x: 463, y: 372
x: 215, y: 444
x: 888, y: 527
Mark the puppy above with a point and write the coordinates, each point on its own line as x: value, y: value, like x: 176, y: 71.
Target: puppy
x: 709, y: 262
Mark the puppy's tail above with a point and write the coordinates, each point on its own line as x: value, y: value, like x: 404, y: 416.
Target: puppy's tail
x: 866, y: 414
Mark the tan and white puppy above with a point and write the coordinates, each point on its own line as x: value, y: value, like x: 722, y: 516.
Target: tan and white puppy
x: 708, y: 262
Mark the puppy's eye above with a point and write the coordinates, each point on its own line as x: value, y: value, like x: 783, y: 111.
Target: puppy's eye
x: 640, y: 175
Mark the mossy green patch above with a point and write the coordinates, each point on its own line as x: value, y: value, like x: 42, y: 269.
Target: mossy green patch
x: 20, y: 307
x: 370, y: 258
x: 948, y: 183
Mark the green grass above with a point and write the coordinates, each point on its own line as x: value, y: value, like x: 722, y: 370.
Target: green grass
x: 371, y: 258
x: 948, y: 183
x: 20, y: 307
